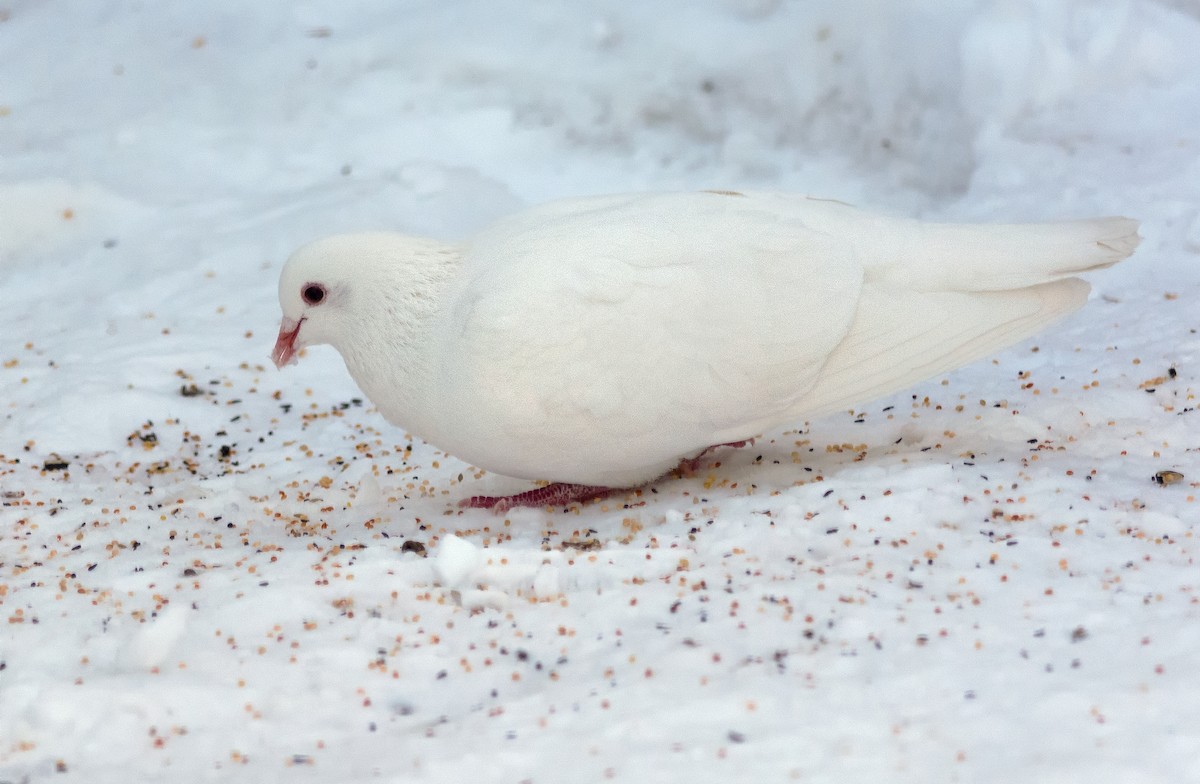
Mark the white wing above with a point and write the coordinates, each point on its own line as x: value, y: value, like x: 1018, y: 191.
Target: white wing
x: 606, y: 337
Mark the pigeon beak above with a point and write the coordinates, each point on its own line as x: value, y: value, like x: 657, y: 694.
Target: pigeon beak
x: 285, y: 345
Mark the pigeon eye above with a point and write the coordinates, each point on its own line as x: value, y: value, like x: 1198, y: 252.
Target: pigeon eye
x: 313, y: 294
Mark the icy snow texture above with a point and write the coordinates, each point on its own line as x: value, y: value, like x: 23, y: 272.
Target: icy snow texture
x: 217, y: 587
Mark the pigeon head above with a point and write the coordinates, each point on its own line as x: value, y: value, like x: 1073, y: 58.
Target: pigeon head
x: 337, y: 290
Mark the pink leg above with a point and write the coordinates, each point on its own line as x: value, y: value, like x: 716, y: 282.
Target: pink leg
x: 561, y: 493
x: 556, y: 494
x: 691, y: 465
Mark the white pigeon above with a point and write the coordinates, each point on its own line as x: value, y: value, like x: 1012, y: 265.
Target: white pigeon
x: 599, y: 342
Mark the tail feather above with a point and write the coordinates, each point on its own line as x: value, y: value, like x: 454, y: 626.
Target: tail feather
x: 1120, y: 239
x: 1002, y: 257
x: 897, y: 341
x: 917, y: 256
x: 937, y: 296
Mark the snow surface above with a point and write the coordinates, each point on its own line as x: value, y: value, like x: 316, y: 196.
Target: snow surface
x: 976, y: 581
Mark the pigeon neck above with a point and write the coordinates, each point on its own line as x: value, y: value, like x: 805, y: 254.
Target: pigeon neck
x: 390, y: 356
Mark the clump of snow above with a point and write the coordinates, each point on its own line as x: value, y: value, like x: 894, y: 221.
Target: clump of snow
x: 456, y: 560
x: 213, y: 571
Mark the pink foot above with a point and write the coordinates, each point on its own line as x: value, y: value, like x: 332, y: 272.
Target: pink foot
x: 556, y: 494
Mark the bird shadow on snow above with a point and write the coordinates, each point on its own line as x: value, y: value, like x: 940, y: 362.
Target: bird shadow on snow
x: 796, y: 466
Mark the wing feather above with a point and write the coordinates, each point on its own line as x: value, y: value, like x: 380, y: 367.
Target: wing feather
x: 644, y: 328
x: 897, y: 341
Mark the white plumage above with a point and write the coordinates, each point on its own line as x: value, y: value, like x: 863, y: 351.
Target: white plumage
x: 599, y: 341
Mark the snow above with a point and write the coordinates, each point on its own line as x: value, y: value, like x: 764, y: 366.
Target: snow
x: 975, y: 581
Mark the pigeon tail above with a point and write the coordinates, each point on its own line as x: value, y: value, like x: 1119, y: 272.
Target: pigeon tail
x: 929, y: 257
